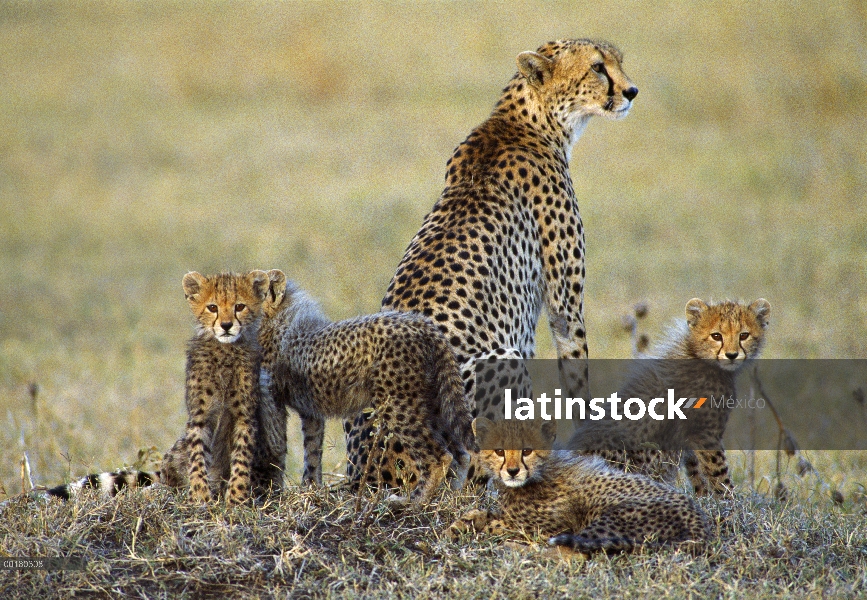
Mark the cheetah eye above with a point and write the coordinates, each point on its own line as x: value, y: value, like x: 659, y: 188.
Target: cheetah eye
x: 716, y: 336
x: 526, y: 452
x: 599, y: 67
x: 745, y: 335
x: 212, y: 308
x: 500, y: 452
x: 240, y: 307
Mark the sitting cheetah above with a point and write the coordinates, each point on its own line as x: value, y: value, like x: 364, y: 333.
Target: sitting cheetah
x: 584, y: 504
x: 229, y: 425
x: 505, y: 239
x: 396, y: 363
x: 701, y: 358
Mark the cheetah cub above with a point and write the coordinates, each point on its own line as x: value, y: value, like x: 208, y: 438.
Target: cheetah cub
x: 233, y: 434
x: 701, y: 358
x: 399, y: 364
x: 222, y: 384
x: 583, y: 503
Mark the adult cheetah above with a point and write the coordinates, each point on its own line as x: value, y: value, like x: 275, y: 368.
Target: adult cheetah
x: 505, y: 239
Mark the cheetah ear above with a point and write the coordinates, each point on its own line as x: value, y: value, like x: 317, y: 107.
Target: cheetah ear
x: 276, y: 287
x: 193, y: 283
x: 481, y: 426
x: 535, y: 67
x: 259, y: 282
x: 762, y: 309
x: 694, y: 309
x: 549, y: 431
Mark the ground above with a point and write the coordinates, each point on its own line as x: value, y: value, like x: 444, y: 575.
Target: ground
x: 319, y: 544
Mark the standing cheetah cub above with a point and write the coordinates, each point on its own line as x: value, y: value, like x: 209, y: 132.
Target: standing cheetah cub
x: 222, y: 388
x: 396, y: 363
x: 701, y: 358
x: 584, y: 504
x: 233, y: 435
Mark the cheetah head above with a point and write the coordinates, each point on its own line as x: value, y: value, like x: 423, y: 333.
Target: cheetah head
x: 514, y: 451
x: 577, y: 79
x: 226, y: 305
x: 276, y: 293
x: 727, y: 332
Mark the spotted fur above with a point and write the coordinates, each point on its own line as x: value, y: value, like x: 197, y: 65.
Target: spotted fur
x: 577, y: 501
x: 505, y: 240
x: 396, y: 364
x: 701, y: 357
x: 235, y: 438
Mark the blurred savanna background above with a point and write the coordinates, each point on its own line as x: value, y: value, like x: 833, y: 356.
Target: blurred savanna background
x: 139, y: 141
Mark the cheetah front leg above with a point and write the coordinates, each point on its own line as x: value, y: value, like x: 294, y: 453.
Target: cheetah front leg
x: 710, y: 465
x: 478, y: 521
x: 241, y: 458
x: 564, y: 302
x: 199, y: 443
x: 200, y: 461
x: 313, y: 431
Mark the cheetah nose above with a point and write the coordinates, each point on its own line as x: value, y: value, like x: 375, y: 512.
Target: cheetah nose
x: 731, y: 355
x: 513, y: 471
x: 630, y: 93
x: 226, y: 326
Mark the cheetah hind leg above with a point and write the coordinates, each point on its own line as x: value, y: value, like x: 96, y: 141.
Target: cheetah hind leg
x: 713, y: 467
x: 461, y: 467
x: 175, y: 466
x: 626, y: 527
x: 609, y: 533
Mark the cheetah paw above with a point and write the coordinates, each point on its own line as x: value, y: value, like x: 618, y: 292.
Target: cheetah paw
x: 474, y: 520
x: 396, y: 500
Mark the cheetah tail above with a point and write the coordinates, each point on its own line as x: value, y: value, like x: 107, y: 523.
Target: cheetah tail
x: 109, y: 484
x: 456, y: 409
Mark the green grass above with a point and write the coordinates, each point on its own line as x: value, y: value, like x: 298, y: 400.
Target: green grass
x: 144, y: 140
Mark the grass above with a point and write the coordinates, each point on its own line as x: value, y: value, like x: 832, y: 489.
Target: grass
x: 141, y: 141
x: 315, y: 544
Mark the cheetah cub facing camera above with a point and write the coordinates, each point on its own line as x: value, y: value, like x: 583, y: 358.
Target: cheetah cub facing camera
x: 399, y: 364
x: 583, y: 503
x: 701, y: 358
x: 235, y: 437
x: 223, y: 398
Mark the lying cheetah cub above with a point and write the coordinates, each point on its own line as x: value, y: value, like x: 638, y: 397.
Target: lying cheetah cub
x: 700, y: 358
x: 584, y: 504
x: 232, y: 435
x: 397, y: 363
